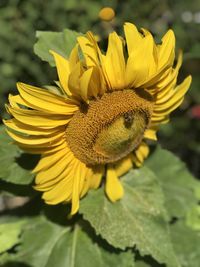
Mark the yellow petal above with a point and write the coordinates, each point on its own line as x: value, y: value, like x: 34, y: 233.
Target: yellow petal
x: 48, y: 160
x: 96, y: 86
x: 63, y: 70
x: 52, y: 183
x: 97, y: 177
x: 150, y: 61
x: 69, y: 185
x: 141, y: 63
x: 136, y: 162
x: 84, y: 84
x: 28, y: 129
x: 60, y: 192
x: 55, y: 170
x: 104, y: 79
x: 166, y: 77
x: 140, y: 154
x: 166, y: 51
x: 89, y: 51
x: 133, y: 37
x: 73, y: 58
x: 16, y: 100
x: 90, y: 84
x: 123, y: 166
x: 77, y: 180
x: 42, y: 150
x: 168, y: 81
x: 41, y: 99
x: 150, y: 134
x: 173, y: 94
x: 175, y: 98
x: 38, y: 118
x: 114, y: 62
x: 37, y: 141
x: 86, y: 182
x: 160, y: 119
x: 74, y: 80
x: 167, y: 109
x: 113, y: 186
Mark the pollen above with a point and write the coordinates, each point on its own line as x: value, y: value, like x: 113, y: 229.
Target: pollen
x: 109, y: 128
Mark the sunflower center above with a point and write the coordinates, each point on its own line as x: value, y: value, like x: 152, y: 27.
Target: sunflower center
x: 109, y: 128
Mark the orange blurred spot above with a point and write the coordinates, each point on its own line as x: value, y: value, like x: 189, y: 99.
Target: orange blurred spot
x: 107, y: 14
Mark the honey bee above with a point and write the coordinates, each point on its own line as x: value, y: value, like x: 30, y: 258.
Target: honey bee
x: 128, y: 119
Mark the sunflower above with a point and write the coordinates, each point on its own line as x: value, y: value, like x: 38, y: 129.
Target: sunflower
x: 98, y: 119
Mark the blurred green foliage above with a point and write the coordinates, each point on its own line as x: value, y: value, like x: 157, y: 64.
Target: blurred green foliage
x: 19, y: 20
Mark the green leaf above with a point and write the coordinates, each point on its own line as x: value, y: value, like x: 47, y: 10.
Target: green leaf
x: 11, y: 158
x: 137, y: 219
x: 10, y: 234
x: 193, y: 218
x: 177, y: 183
x: 46, y: 244
x: 74, y: 248
x: 141, y: 264
x: 60, y: 42
x: 186, y: 243
x: 38, y: 241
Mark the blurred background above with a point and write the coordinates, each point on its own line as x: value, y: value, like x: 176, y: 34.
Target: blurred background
x: 19, y: 20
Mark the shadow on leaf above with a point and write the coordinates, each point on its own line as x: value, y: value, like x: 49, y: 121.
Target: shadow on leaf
x: 27, y: 161
x: 15, y: 264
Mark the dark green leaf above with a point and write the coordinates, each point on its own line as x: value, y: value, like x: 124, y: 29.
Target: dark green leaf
x: 12, y: 158
x: 141, y: 264
x: 187, y: 244
x: 138, y: 219
x: 60, y: 42
x: 177, y: 183
x: 76, y: 249
x: 45, y: 244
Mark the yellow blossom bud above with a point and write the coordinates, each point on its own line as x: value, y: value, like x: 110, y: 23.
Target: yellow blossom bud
x: 107, y: 14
